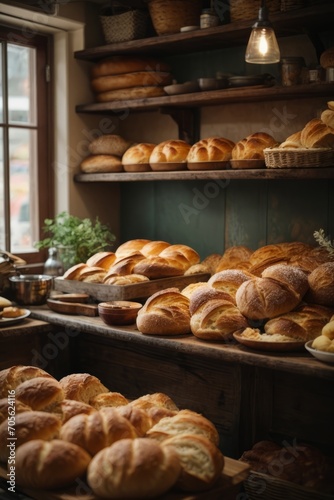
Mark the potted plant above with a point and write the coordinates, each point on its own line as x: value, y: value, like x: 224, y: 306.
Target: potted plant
x: 75, y: 239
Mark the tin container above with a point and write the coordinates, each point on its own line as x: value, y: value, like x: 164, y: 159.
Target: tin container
x: 208, y: 19
x: 291, y: 70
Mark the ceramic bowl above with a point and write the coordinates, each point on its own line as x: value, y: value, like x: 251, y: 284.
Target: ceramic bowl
x: 119, y: 312
x: 31, y: 289
x: 327, y: 357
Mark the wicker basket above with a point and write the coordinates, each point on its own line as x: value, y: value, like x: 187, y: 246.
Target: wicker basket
x: 260, y: 486
x: 129, y: 25
x: 248, y: 9
x: 298, y: 158
x: 168, y: 16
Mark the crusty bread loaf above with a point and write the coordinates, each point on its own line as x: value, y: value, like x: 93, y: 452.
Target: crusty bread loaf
x: 68, y: 408
x: 293, y: 278
x: 158, y: 399
x: 211, y: 149
x: 159, y: 267
x: 266, y: 256
x: 118, y: 65
x: 96, y: 431
x: 202, y: 295
x: 154, y: 248
x: 73, y: 272
x: 137, y: 157
x: 202, y: 463
x: 102, y: 259
x: 40, y: 393
x: 139, y: 468
x: 125, y: 265
x: 8, y: 408
x: 129, y: 80
x: 109, y: 144
x: 92, y: 274
x: 211, y: 262
x: 252, y: 146
x: 327, y: 58
x: 229, y: 280
x: 316, y: 134
x: 49, y: 465
x: 304, y: 323
x: 130, y: 247
x: 293, y: 141
x: 11, y: 377
x: 184, y: 422
x: 129, y: 94
x: 165, y: 313
x: 327, y: 116
x: 321, y: 283
x: 127, y: 279
x: 178, y: 250
x: 190, y: 289
x: 172, y: 151
x: 234, y: 257
x: 107, y: 399
x: 82, y: 386
x: 29, y: 425
x: 138, y: 417
x: 101, y: 163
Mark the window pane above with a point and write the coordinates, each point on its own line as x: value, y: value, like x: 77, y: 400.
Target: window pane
x: 23, y: 188
x: 2, y: 196
x: 21, y: 87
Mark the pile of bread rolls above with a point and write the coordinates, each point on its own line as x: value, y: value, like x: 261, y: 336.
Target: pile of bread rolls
x: 106, y: 153
x: 76, y: 429
x: 325, y: 341
x: 135, y: 261
x: 127, y: 77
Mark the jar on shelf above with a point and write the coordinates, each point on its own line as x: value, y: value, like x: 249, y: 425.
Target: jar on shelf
x: 53, y: 266
x: 209, y: 18
x: 291, y: 70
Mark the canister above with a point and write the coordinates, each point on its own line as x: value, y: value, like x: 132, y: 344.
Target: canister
x: 209, y: 18
x: 291, y: 68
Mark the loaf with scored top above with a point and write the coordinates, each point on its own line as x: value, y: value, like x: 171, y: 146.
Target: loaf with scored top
x: 211, y: 149
x: 40, y: 393
x: 11, y: 377
x: 82, y: 386
x: 173, y: 151
x: 252, y: 146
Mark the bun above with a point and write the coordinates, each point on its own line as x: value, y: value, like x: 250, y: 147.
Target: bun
x: 179, y: 251
x: 101, y: 163
x: 321, y: 282
x: 294, y: 279
x: 82, y: 387
x: 139, y: 418
x: 130, y: 247
x: 129, y: 80
x: 184, y: 422
x: 327, y: 117
x: 98, y: 430
x: 317, y: 134
x: 127, y: 279
x: 133, y: 93
x: 108, y: 399
x: 102, y: 259
x: 11, y: 377
x: 11, y: 312
x: 252, y: 146
x: 266, y: 256
x: 29, y: 425
x: 141, y: 468
x: 154, y: 248
x: 4, y: 302
x: 137, y: 157
x: 68, y: 408
x: 40, y: 393
x: 125, y: 265
x: 156, y: 399
x: 48, y: 465
x: 229, y: 280
x: 202, y: 462
x: 5, y: 406
x: 303, y: 324
x: 293, y: 141
x: 92, y: 274
x: 118, y: 65
x: 109, y: 144
x: 327, y: 58
x: 159, y: 267
x: 234, y: 257
x: 73, y: 272
x: 173, y: 151
x: 165, y: 313
x: 190, y: 289
x: 211, y: 149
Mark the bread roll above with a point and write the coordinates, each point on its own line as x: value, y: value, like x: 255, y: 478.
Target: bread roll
x: 4, y: 303
x: 327, y: 58
x: 327, y: 117
x: 202, y: 295
x: 154, y: 248
x: 12, y: 312
x: 172, y: 151
x: 68, y: 408
x: 127, y: 279
x: 159, y: 267
x: 11, y: 377
x: 156, y: 399
x: 107, y: 399
x: 40, y: 393
x: 137, y: 157
x: 293, y: 141
x: 175, y: 251
x: 118, y: 65
x: 321, y: 283
x: 184, y: 422
x: 109, y: 144
x: 129, y: 80
x: 229, y: 280
x: 98, y: 430
x: 317, y: 134
x: 8, y: 409
x: 92, y: 274
x: 294, y: 279
x: 73, y: 272
x: 29, y: 425
x: 130, y: 247
x: 139, y: 418
x: 233, y: 257
x: 190, y: 289
x: 202, y: 462
x: 129, y: 94
x: 102, y: 259
x: 49, y: 465
x: 82, y: 387
x: 101, y: 163
x: 165, y: 313
x: 252, y: 146
x: 211, y: 149
x: 266, y: 256
x: 138, y: 468
x: 125, y: 265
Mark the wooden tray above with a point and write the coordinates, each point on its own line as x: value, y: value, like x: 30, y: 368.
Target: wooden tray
x: 142, y: 290
x: 235, y: 472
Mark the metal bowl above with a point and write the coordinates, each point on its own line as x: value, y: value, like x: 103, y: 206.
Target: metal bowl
x: 31, y: 289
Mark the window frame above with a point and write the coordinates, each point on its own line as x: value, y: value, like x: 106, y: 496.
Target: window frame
x: 43, y: 43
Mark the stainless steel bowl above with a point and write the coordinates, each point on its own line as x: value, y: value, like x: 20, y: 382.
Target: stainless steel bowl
x: 31, y: 289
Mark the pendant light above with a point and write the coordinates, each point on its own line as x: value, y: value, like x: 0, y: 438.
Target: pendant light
x: 262, y: 46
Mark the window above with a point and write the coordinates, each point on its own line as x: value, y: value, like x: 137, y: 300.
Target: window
x: 25, y: 152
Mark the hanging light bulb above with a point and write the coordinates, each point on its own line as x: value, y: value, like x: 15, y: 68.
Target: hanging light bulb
x: 262, y: 46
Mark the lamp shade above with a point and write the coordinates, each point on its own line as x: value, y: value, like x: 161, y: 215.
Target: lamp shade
x: 262, y: 46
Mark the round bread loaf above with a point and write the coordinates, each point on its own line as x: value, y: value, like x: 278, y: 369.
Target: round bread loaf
x: 233, y: 257
x: 82, y: 386
x: 267, y: 256
x: 129, y: 80
x: 204, y: 294
x: 118, y: 65
x: 165, y: 313
x: 11, y: 377
x: 252, y: 146
x: 321, y: 283
x: 139, y: 418
x: 137, y: 157
x: 229, y: 280
x: 101, y: 163
x: 109, y: 144
x: 327, y: 58
x: 130, y: 247
x: 132, y: 93
x: 179, y: 250
x: 102, y: 259
x: 316, y: 134
x: 211, y: 149
x: 293, y: 278
x: 173, y: 151
x: 40, y: 393
x: 139, y: 468
x: 107, y: 399
x: 155, y: 267
x: 49, y: 464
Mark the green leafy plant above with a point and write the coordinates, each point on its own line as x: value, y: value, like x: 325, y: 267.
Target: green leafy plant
x: 84, y: 236
x: 324, y: 241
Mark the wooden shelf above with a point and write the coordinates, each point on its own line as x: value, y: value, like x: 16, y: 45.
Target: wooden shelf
x: 186, y: 175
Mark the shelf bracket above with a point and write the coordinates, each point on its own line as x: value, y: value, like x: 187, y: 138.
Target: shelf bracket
x: 188, y: 122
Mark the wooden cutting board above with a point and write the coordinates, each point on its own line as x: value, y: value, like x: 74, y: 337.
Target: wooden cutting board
x: 234, y: 474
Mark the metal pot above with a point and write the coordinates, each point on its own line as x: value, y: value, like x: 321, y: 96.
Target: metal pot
x: 31, y: 289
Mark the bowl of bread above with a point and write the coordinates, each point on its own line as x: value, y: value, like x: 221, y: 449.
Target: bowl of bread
x: 119, y: 312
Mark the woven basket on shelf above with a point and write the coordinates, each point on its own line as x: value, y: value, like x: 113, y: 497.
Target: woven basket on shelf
x: 241, y: 10
x: 129, y: 25
x: 168, y: 16
x: 298, y: 158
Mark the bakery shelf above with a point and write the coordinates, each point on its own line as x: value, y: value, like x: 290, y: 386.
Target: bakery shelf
x: 315, y: 18
x: 279, y: 173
